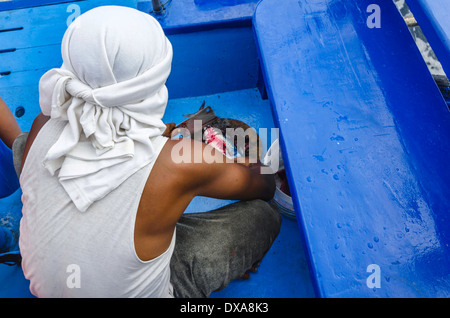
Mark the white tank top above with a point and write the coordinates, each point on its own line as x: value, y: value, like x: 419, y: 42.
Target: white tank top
x: 67, y: 253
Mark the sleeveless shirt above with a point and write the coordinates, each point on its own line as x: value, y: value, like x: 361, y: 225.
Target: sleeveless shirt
x: 68, y: 253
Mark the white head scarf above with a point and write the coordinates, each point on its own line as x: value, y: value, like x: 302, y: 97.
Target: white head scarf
x: 111, y: 91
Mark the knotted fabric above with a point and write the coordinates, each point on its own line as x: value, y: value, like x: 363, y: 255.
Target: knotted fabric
x: 111, y: 92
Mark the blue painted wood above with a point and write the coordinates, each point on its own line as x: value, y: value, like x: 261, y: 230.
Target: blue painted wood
x: 365, y: 137
x: 30, y: 45
x: 19, y: 4
x: 8, y: 178
x: 229, y: 55
x: 433, y: 17
x: 194, y: 15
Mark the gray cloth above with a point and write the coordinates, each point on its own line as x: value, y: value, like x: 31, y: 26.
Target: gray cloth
x: 214, y: 248
x: 18, y: 149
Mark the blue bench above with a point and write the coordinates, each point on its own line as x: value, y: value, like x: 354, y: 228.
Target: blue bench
x: 365, y: 138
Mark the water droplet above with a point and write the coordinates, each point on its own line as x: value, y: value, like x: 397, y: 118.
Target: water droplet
x: 318, y: 157
x: 335, y: 177
x: 308, y: 179
x: 337, y: 138
x: 370, y: 245
x: 376, y: 239
x: 336, y: 246
x: 339, y: 225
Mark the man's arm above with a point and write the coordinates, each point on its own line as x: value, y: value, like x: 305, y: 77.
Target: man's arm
x: 9, y: 128
x: 213, y: 176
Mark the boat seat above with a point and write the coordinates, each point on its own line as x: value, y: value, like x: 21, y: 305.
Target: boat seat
x: 364, y: 132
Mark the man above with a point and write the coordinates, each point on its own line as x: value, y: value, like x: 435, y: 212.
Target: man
x: 9, y: 128
x: 103, y: 199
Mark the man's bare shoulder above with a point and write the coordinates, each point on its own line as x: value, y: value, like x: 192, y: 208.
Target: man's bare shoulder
x: 37, y: 125
x: 186, y: 153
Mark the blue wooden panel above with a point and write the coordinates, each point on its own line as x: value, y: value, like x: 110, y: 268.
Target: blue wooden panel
x: 30, y: 45
x: 18, y: 4
x: 37, y: 26
x: 47, y: 56
x: 212, y: 61
x: 215, y: 35
x: 194, y: 15
x: 433, y: 17
x: 8, y: 178
x: 365, y: 137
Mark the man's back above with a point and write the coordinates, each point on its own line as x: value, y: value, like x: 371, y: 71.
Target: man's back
x: 151, y: 204
x: 68, y: 253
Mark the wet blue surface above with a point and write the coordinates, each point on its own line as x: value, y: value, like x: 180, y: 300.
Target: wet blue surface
x: 365, y: 134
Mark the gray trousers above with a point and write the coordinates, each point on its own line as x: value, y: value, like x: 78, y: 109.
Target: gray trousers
x: 212, y: 248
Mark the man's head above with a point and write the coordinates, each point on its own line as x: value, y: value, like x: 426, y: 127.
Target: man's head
x: 111, y: 92
x: 111, y: 44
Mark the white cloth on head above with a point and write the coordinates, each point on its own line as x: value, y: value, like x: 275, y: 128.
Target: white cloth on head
x: 111, y: 91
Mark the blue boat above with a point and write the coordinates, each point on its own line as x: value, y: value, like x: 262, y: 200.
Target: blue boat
x: 363, y: 130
